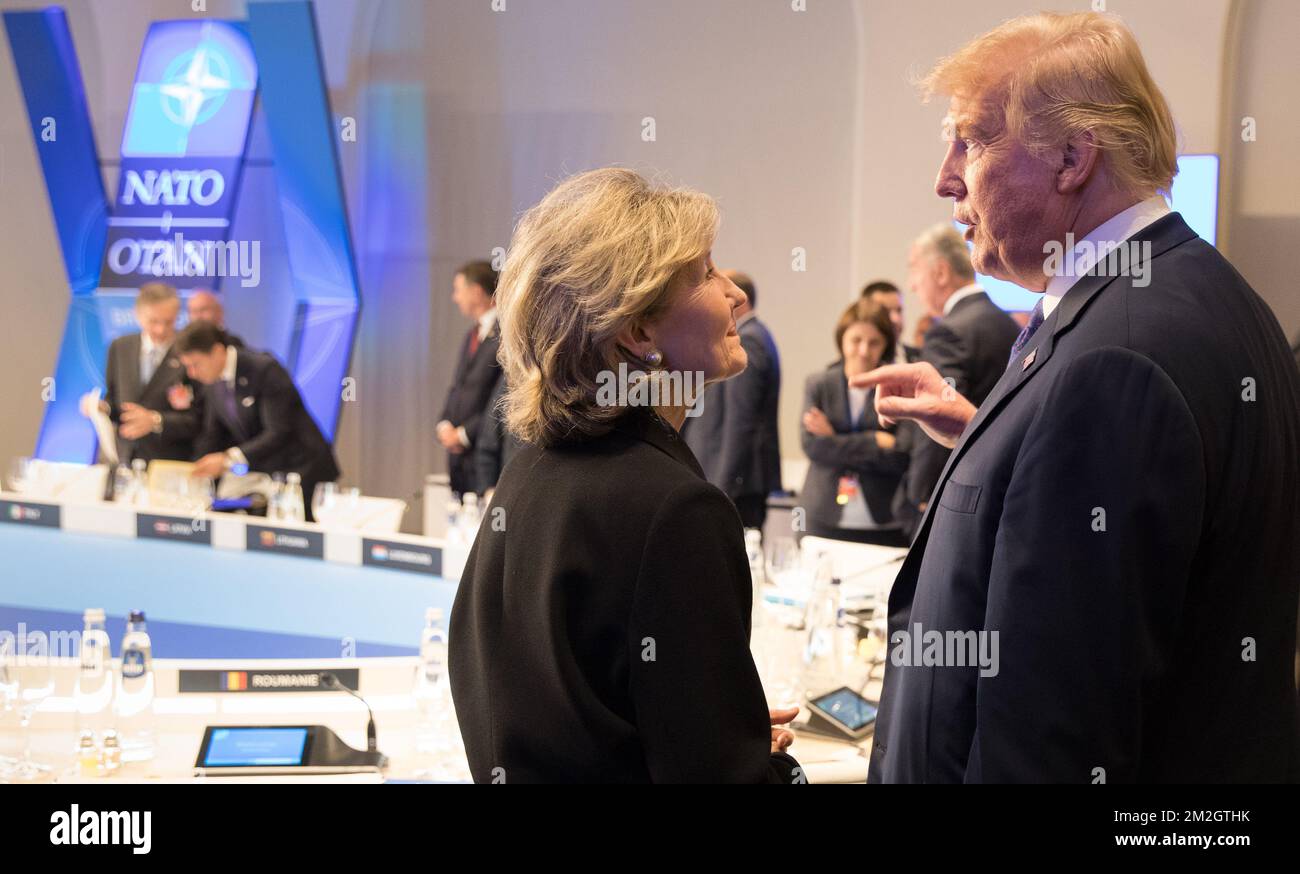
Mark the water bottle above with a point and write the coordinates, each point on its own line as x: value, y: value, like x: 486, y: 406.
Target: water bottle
x: 823, y: 654
x: 140, y: 468
x: 93, y: 694
x: 275, y: 504
x: 469, y: 517
x: 135, y: 693
x: 757, y: 574
x: 430, y: 682
x: 292, y: 507
x: 124, y: 485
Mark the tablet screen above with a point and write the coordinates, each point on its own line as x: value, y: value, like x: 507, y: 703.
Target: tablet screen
x: 254, y: 747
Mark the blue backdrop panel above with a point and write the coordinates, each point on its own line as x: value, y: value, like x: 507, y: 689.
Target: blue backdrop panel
x: 304, y: 140
x: 46, y: 62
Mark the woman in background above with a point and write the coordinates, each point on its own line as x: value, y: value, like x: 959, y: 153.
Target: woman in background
x: 855, y: 464
x: 601, y: 628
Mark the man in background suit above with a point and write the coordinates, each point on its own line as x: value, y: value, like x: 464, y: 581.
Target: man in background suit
x: 204, y: 306
x: 254, y: 415
x: 1116, y: 526
x: 735, y: 437
x: 496, y: 445
x: 885, y: 293
x: 147, y: 394
x: 967, y: 343
x: 465, y: 411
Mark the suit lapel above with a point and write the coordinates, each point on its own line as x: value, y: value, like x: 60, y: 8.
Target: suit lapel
x: 162, y: 373
x: 134, y: 349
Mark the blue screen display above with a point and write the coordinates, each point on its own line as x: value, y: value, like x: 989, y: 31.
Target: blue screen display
x: 254, y: 747
x: 846, y: 708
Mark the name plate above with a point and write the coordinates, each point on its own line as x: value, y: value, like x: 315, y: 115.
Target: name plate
x: 289, y: 680
x: 285, y: 541
x: 401, y: 556
x: 30, y: 513
x: 186, y: 530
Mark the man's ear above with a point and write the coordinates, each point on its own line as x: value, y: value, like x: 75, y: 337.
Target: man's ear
x: 1077, y: 163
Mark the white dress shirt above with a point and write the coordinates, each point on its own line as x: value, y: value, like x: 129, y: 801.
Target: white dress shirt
x: 964, y: 292
x: 151, y: 358
x: 856, y: 514
x: 1097, y: 244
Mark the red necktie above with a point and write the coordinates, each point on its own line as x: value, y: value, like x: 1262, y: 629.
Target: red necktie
x: 473, y: 341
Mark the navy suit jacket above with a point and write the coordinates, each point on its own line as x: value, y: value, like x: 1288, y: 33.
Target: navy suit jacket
x: 467, y: 405
x: 1122, y: 511
x: 275, y: 431
x: 734, y: 436
x: 970, y: 346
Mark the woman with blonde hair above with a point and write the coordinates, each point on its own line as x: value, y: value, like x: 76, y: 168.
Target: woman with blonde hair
x: 601, y: 629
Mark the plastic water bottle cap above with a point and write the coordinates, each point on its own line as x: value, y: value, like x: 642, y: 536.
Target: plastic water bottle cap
x: 94, y: 614
x: 433, y: 614
x: 293, y: 477
x: 135, y: 616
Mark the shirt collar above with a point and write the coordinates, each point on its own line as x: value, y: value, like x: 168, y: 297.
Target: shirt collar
x: 1097, y: 243
x: 485, y: 323
x: 228, y: 372
x: 147, y: 345
x: 964, y: 292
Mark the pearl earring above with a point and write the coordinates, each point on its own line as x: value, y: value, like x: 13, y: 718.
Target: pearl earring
x: 654, y: 358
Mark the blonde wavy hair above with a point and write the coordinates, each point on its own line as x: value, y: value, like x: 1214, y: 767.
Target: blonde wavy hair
x: 1059, y: 75
x: 596, y: 255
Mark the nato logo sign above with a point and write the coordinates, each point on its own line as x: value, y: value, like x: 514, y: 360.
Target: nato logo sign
x: 182, y: 153
x: 183, y: 149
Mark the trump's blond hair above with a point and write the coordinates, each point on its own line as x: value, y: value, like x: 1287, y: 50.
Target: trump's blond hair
x: 1059, y: 76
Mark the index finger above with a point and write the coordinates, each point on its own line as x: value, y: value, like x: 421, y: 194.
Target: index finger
x: 889, y: 374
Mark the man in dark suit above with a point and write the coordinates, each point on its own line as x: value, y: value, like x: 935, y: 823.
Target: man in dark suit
x: 1116, y: 525
x: 254, y: 415
x: 147, y: 394
x: 967, y: 343
x: 496, y: 445
x: 888, y: 295
x: 734, y: 432
x: 466, y: 409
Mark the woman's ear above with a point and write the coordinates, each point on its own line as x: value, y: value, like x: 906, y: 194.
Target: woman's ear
x: 636, y: 339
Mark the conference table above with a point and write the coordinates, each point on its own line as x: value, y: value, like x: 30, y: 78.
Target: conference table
x: 225, y: 594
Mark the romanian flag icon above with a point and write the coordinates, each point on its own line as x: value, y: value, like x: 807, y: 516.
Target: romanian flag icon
x: 234, y: 681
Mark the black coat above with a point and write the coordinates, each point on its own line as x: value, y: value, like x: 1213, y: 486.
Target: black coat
x: 852, y: 449
x: 970, y: 346
x: 122, y: 377
x: 601, y: 628
x: 735, y: 433
x: 1123, y: 510
x: 276, y: 432
x: 467, y: 404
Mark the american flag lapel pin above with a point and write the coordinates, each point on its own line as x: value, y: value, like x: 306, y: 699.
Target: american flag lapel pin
x: 1029, y: 359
